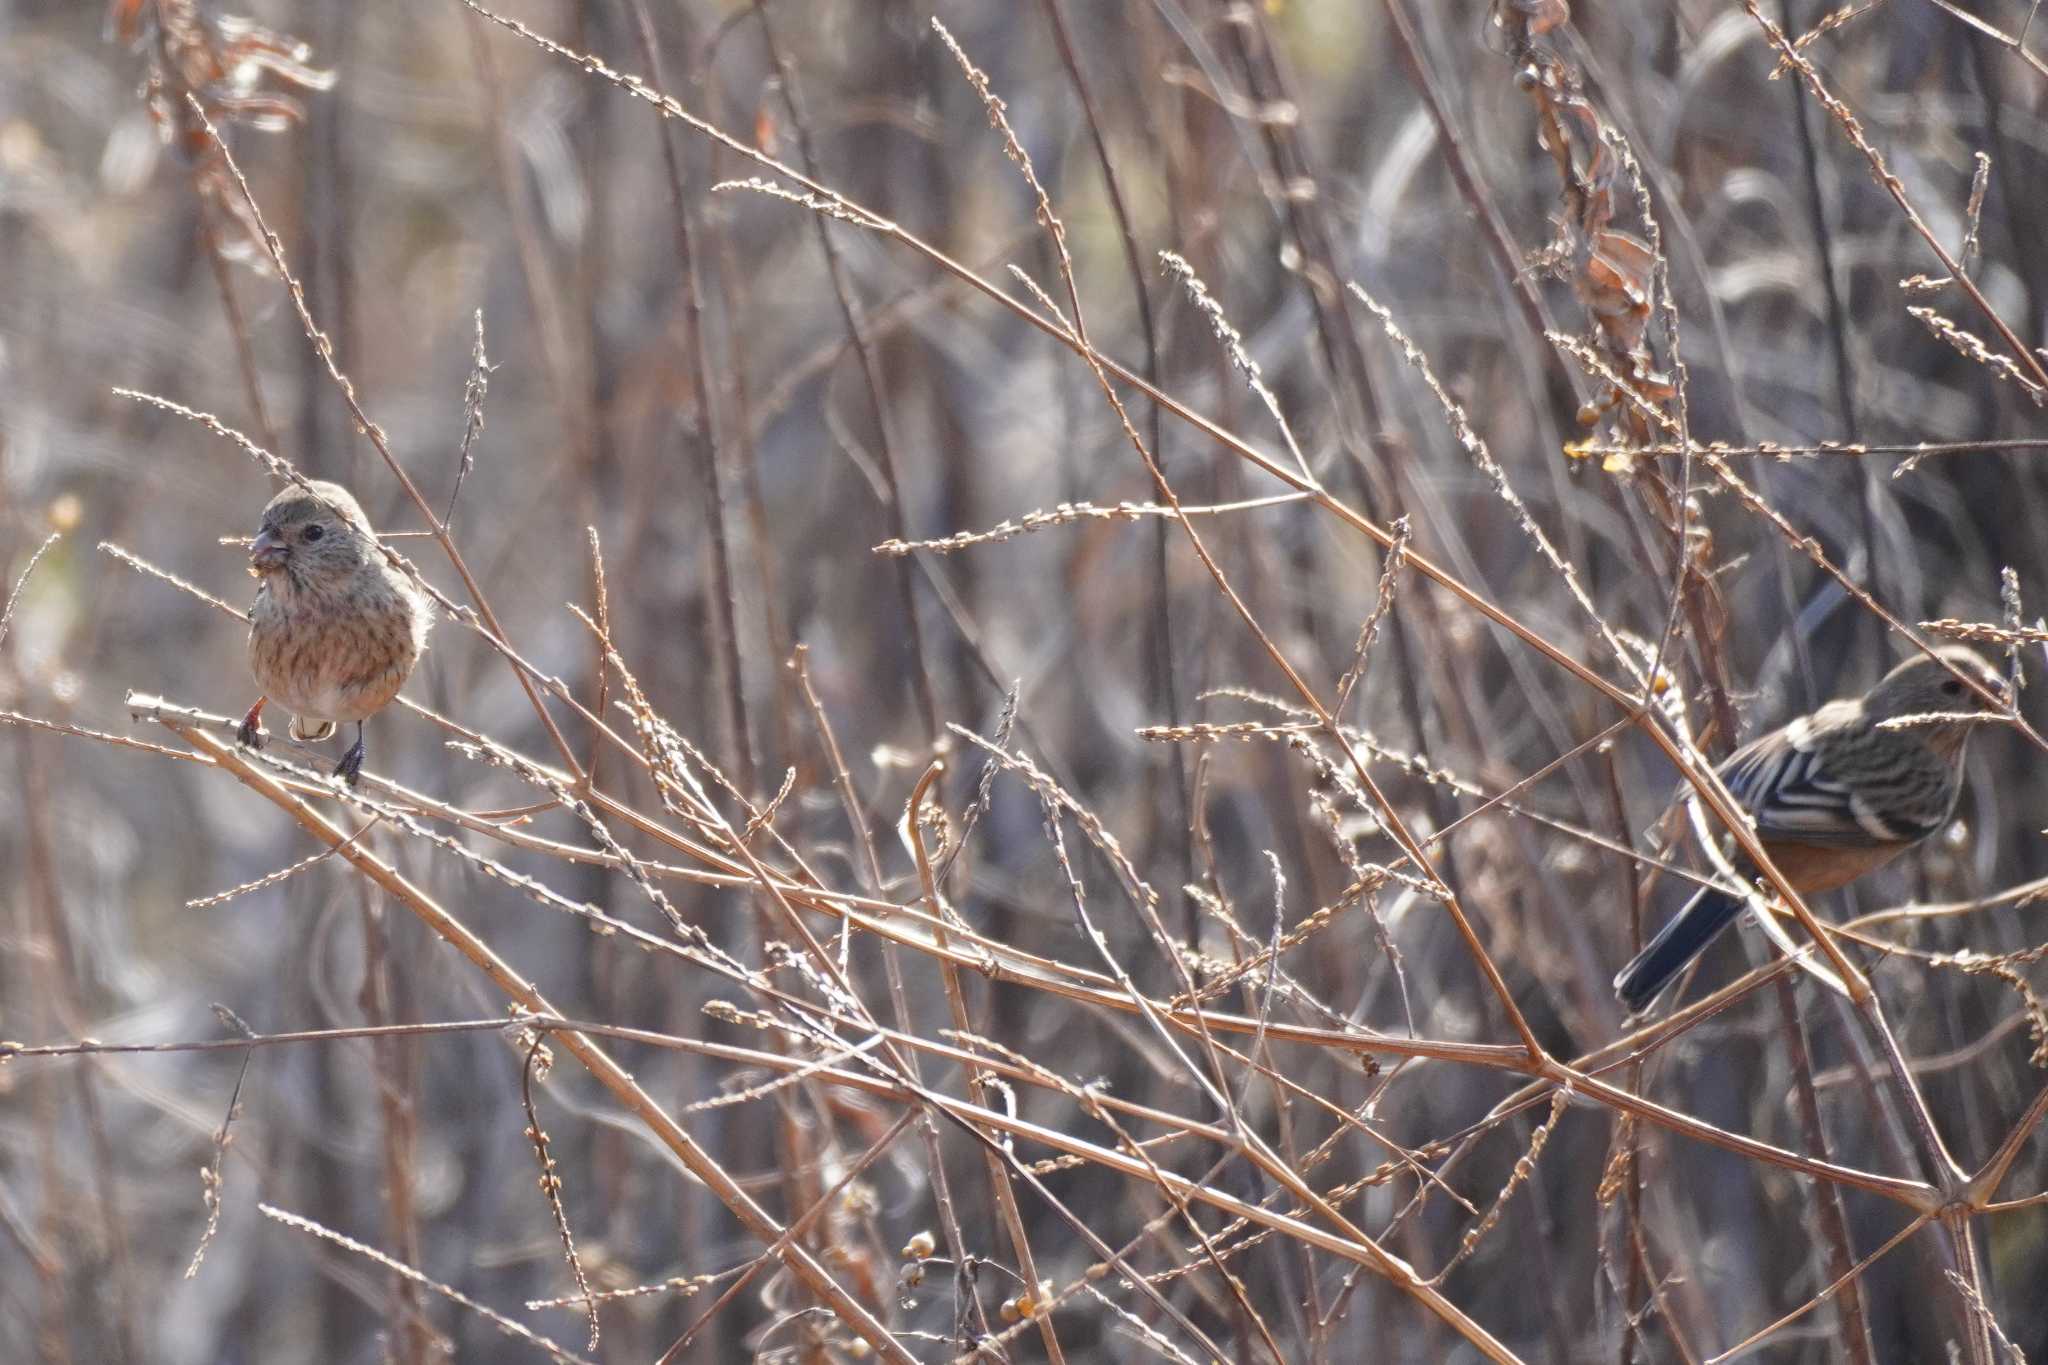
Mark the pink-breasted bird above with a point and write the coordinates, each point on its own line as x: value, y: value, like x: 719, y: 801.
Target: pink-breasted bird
x: 336, y: 628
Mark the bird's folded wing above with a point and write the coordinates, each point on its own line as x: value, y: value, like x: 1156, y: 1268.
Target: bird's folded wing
x: 1817, y: 786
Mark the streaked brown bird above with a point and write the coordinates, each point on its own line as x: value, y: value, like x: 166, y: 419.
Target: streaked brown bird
x: 1837, y: 794
x: 336, y: 628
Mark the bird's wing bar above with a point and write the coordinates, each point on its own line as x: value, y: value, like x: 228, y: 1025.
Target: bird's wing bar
x: 1892, y: 826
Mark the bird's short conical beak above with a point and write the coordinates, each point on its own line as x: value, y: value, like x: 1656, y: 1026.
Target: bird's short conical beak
x: 268, y: 551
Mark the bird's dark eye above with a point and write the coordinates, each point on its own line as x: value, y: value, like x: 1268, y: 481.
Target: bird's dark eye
x: 315, y: 531
x: 1953, y: 687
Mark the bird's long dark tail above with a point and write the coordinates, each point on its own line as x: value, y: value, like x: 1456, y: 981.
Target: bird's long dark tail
x: 1676, y: 944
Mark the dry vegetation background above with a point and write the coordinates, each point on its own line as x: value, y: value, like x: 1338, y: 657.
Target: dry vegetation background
x: 1021, y: 1075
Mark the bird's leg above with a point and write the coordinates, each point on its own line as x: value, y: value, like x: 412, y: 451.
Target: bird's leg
x: 247, y: 732
x: 351, y: 766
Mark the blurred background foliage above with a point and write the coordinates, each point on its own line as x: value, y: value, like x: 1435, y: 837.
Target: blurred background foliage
x: 1282, y: 149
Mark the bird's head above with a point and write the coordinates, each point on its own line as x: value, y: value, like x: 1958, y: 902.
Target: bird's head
x: 312, y: 535
x: 1955, y: 683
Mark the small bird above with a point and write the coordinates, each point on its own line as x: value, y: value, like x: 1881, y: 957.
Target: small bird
x: 336, y: 628
x: 1835, y: 795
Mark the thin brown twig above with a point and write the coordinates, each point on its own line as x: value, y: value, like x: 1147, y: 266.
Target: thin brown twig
x: 1852, y: 129
x: 606, y: 1071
